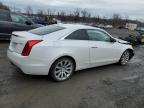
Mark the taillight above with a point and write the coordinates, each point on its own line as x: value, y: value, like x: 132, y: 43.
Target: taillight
x: 27, y: 49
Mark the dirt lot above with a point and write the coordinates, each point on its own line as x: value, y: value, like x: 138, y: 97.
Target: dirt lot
x: 111, y: 86
x: 121, y: 32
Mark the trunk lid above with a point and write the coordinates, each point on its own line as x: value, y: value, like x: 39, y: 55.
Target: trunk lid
x: 19, y: 39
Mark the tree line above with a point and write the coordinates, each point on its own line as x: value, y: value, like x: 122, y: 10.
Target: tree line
x: 76, y: 16
x: 81, y: 16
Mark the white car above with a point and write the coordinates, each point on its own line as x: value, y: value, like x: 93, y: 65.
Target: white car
x: 108, y: 27
x: 61, y: 49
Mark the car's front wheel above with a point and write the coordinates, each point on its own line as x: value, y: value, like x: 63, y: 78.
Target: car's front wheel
x: 62, y: 69
x: 125, y: 58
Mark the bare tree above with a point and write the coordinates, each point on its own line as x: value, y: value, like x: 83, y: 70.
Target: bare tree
x: 18, y: 10
x: 116, y: 16
x: 85, y: 14
x: 4, y: 6
x: 63, y: 15
x: 58, y: 14
x: 29, y: 11
x: 126, y: 18
x: 40, y: 13
x: 76, y: 15
x: 49, y: 12
x: 116, y: 19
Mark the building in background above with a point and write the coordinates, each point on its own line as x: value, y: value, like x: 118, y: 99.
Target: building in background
x: 131, y: 26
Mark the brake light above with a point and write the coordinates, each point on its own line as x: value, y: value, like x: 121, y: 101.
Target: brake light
x: 27, y: 49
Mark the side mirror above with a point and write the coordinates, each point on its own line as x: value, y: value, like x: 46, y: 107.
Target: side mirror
x: 112, y: 40
x: 28, y: 23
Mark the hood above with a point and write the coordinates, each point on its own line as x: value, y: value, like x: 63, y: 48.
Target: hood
x: 122, y: 41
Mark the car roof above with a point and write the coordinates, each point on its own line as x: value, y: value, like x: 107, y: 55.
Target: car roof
x: 69, y: 28
x: 77, y: 26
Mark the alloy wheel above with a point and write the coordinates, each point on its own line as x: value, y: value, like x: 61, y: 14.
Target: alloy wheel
x: 63, y: 69
x: 125, y: 57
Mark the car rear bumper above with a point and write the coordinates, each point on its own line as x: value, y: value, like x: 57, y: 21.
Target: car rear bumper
x: 27, y: 65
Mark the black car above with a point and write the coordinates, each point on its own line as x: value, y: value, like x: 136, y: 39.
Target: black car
x: 10, y: 22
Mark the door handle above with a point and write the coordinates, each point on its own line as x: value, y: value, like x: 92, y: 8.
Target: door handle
x: 94, y: 47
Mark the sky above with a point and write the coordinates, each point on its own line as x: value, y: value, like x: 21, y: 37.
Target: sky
x: 134, y: 9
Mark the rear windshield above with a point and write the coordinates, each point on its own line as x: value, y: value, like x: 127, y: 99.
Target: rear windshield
x: 46, y: 30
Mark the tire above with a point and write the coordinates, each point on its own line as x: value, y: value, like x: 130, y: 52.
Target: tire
x: 124, y: 58
x: 62, y: 69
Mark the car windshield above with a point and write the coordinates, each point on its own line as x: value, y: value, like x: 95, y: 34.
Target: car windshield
x: 46, y: 30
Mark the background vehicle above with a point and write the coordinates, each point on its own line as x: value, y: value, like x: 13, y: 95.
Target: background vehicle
x: 102, y: 26
x: 10, y: 22
x: 60, y: 49
x: 40, y: 21
x: 44, y: 21
x: 108, y: 26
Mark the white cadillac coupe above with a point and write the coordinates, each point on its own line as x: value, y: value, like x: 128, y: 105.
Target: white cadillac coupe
x: 61, y: 49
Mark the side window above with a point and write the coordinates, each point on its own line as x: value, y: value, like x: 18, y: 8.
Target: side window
x: 4, y: 16
x: 98, y: 35
x: 18, y: 18
x: 78, y: 35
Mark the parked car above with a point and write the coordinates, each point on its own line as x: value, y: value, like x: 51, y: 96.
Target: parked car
x: 134, y: 39
x: 61, y: 49
x: 10, y: 22
x: 108, y: 27
x: 102, y: 26
x: 40, y: 21
x: 140, y: 30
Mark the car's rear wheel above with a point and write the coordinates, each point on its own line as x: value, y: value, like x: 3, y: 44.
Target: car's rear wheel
x: 62, y: 69
x: 125, y: 58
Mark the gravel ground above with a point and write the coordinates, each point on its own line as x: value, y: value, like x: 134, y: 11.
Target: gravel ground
x: 111, y: 86
x: 121, y: 32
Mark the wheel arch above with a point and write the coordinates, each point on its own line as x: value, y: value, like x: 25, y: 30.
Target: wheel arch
x: 131, y: 53
x: 68, y: 56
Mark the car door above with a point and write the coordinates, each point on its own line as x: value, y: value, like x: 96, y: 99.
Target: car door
x: 77, y: 45
x: 102, y: 50
x: 19, y: 22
